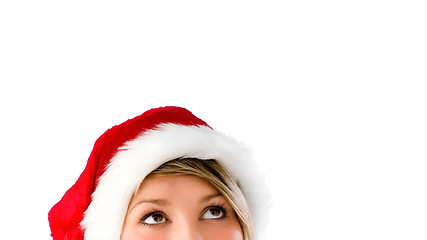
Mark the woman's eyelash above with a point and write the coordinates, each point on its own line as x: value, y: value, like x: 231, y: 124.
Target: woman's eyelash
x: 150, y: 214
x: 220, y: 206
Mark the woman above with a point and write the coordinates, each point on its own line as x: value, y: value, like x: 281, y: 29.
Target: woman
x: 164, y: 175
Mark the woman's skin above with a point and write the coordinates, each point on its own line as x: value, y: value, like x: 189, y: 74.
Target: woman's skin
x: 180, y: 207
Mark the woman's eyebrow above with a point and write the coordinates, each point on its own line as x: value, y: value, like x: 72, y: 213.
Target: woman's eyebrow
x: 160, y: 202
x: 209, y: 197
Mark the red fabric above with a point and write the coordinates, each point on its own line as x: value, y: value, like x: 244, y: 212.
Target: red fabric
x: 66, y: 215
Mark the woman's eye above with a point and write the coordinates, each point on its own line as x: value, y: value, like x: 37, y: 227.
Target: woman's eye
x: 154, y: 218
x: 214, y: 213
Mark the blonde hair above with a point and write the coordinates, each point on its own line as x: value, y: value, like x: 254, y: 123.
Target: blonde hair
x: 212, y: 171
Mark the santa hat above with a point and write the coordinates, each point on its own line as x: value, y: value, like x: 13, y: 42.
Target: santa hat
x: 94, y: 208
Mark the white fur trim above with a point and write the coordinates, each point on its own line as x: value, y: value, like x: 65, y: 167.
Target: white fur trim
x: 105, y: 215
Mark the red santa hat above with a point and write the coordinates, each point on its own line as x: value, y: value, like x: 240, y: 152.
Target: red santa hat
x: 94, y: 208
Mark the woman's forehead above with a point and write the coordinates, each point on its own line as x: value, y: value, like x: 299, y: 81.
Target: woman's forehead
x: 161, y: 187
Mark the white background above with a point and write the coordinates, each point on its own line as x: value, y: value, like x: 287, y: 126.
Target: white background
x: 331, y: 95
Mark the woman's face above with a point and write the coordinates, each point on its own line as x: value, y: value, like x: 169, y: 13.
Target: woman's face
x: 180, y: 207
